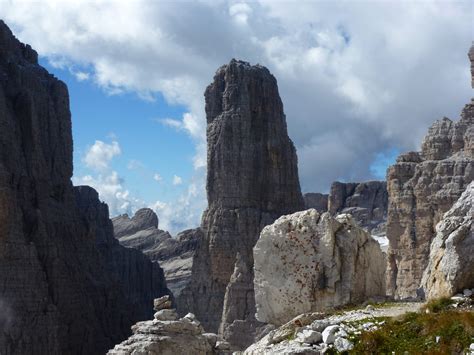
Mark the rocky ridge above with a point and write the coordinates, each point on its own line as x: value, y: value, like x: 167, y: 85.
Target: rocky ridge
x: 175, y: 255
x: 252, y: 180
x: 307, y: 262
x: 60, y: 293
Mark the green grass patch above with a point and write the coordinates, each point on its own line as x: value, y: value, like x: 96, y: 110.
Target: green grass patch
x: 438, y: 305
x: 415, y: 333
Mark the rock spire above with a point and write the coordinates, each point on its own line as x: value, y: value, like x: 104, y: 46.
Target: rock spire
x: 252, y: 180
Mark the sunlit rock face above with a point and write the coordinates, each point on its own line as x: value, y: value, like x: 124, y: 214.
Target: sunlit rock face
x: 422, y: 186
x: 451, y: 265
x: 252, y: 180
x: 60, y: 294
x: 307, y: 262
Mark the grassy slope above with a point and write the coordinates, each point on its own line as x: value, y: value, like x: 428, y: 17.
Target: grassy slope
x: 415, y: 333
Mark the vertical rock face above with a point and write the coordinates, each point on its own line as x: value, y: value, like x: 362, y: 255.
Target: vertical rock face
x: 174, y: 255
x: 252, y: 180
x: 307, y: 262
x: 451, y: 264
x: 57, y: 295
x: 367, y: 202
x: 140, y: 280
x: 316, y: 200
x: 422, y: 187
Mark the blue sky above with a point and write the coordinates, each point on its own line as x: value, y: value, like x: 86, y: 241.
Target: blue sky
x: 148, y: 147
x: 358, y: 85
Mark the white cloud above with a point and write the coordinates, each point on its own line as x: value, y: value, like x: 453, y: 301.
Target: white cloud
x: 107, y: 181
x: 134, y: 164
x: 157, y: 177
x: 111, y: 190
x: 240, y: 12
x: 186, y: 211
x: 177, y: 180
x: 81, y: 76
x: 356, y: 81
x: 100, y: 154
x: 172, y: 122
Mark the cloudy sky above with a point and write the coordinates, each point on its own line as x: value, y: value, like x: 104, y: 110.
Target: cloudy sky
x: 361, y: 81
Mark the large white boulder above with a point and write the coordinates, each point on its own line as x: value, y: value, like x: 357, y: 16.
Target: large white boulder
x: 308, y: 262
x: 451, y: 263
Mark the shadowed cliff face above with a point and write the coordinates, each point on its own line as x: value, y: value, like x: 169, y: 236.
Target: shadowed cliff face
x: 365, y: 201
x: 175, y: 255
x: 60, y: 290
x: 252, y: 180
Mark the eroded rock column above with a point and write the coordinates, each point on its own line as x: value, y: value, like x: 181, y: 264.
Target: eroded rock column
x: 252, y: 180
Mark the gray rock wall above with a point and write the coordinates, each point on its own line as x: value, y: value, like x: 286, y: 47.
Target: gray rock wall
x: 316, y: 200
x: 140, y: 279
x: 174, y: 255
x: 422, y: 186
x: 57, y: 294
x: 367, y: 202
x: 252, y: 180
x: 451, y: 264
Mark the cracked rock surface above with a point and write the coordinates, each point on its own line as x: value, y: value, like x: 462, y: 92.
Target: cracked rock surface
x: 252, y: 180
x: 61, y: 289
x: 307, y: 262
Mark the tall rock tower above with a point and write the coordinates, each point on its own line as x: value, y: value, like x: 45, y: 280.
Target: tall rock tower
x: 422, y: 186
x: 252, y: 180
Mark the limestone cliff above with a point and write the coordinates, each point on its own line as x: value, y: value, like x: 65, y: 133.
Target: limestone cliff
x: 451, y: 265
x: 422, y: 186
x: 57, y: 294
x: 252, y: 180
